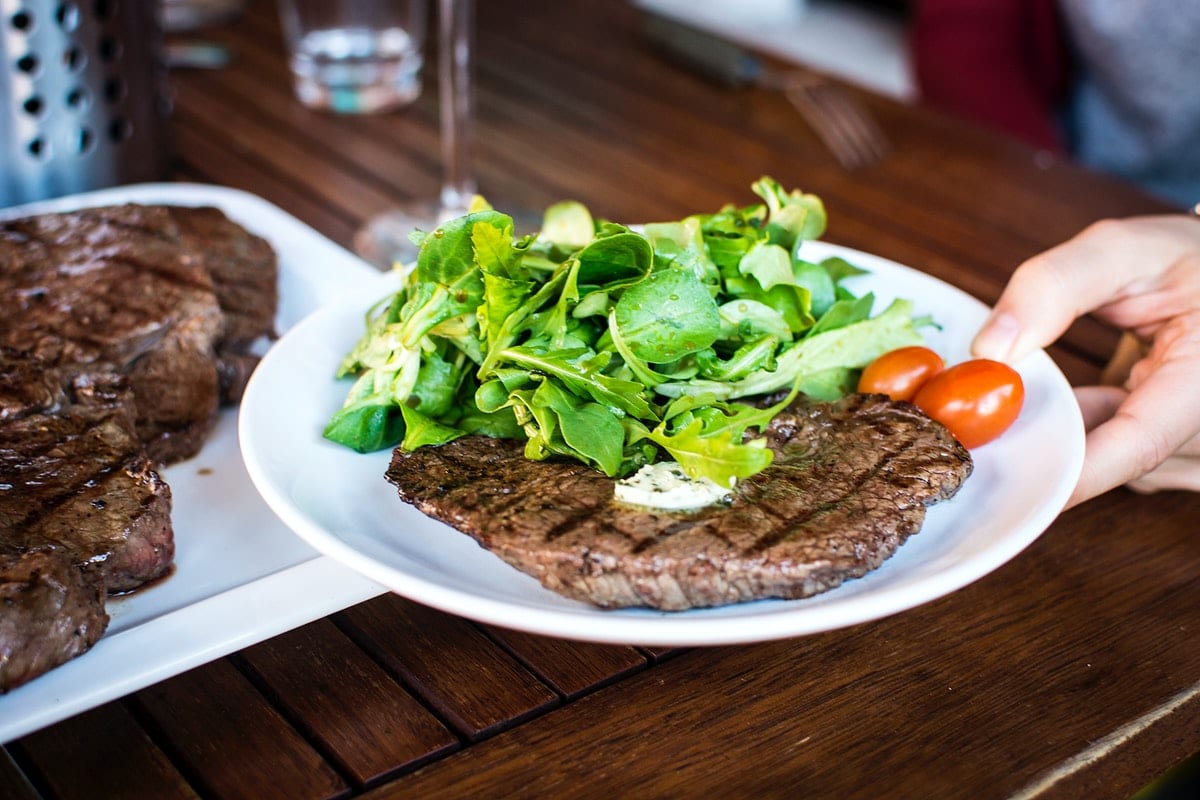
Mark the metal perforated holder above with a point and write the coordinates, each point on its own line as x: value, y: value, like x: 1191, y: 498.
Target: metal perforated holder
x: 83, y: 96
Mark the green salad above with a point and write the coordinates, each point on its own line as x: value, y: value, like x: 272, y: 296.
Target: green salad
x: 614, y: 346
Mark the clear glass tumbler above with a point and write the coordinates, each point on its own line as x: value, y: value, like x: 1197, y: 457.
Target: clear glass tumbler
x: 355, y: 56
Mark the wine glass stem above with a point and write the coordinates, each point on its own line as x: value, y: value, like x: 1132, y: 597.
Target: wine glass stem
x: 455, y: 31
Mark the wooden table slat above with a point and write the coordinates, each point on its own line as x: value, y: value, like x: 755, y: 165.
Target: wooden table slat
x: 286, y: 156
x: 399, y: 152
x: 315, y: 673
x: 111, y: 757
x: 14, y: 783
x: 571, y: 668
x: 214, y: 721
x: 473, y: 683
x: 209, y: 159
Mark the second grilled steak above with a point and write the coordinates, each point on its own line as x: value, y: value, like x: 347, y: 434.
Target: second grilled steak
x: 850, y: 483
x: 77, y: 480
x: 169, y: 297
x: 82, y: 512
x: 126, y: 327
x: 53, y: 612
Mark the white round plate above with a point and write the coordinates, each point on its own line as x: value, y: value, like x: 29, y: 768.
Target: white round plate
x: 339, y: 501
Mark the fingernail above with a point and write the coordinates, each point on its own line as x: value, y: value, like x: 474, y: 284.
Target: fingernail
x: 997, y: 337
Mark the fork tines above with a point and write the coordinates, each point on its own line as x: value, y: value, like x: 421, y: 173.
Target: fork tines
x: 838, y: 119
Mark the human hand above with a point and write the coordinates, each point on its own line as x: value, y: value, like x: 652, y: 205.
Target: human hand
x: 1143, y: 275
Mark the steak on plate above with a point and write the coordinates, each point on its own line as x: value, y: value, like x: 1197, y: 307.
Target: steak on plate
x: 53, y: 612
x: 76, y: 478
x: 169, y: 297
x: 126, y: 327
x: 849, y: 484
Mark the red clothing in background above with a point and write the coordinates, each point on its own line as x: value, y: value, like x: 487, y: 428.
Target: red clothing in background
x: 1001, y: 62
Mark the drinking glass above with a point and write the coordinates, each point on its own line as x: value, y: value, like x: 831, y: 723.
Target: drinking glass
x: 384, y: 239
x: 354, y: 56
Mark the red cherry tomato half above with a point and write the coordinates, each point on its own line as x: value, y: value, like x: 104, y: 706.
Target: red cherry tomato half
x: 900, y: 373
x: 977, y: 400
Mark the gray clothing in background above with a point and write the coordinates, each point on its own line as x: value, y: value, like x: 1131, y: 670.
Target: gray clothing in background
x: 1136, y: 109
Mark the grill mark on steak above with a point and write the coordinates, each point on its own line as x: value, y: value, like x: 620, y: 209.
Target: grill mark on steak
x: 126, y: 328
x: 79, y: 481
x: 773, y: 538
x: 850, y: 483
x: 681, y: 527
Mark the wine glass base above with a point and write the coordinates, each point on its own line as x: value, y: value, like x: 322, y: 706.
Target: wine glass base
x: 383, y: 240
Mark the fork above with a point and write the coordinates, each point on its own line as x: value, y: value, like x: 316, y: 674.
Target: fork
x: 835, y: 115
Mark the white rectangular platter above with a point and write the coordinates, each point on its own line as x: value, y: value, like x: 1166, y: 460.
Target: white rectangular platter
x: 240, y: 575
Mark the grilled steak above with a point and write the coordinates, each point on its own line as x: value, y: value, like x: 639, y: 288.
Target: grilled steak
x: 77, y: 480
x: 849, y: 484
x: 126, y: 327
x: 53, y: 611
x: 244, y: 280
x: 169, y: 297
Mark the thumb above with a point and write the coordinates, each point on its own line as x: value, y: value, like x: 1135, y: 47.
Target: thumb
x: 1038, y: 305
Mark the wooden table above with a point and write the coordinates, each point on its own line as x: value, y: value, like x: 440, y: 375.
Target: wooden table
x: 1073, y: 671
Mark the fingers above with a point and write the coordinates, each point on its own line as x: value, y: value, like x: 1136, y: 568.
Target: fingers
x: 1146, y: 427
x: 1099, y: 403
x: 1177, y: 472
x: 1141, y: 274
x: 1051, y: 290
x: 1180, y: 471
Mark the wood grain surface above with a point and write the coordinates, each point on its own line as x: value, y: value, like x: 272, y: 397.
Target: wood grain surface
x: 1072, y: 671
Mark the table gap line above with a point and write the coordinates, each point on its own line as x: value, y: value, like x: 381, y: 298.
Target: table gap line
x: 154, y: 732
x: 305, y: 731
x: 456, y: 726
x: 564, y: 696
x: 28, y: 768
x: 1105, y: 745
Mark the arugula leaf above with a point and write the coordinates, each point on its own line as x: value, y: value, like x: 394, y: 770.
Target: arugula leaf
x: 667, y: 315
x: 750, y: 357
x: 420, y: 430
x: 843, y: 313
x: 366, y: 426
x: 728, y: 236
x: 820, y: 285
x: 769, y: 264
x: 847, y: 348
x: 617, y: 256
x: 792, y: 216
x: 680, y: 245
x: 568, y: 224
x: 839, y: 269
x: 745, y: 320
x: 588, y: 430
x: 720, y: 456
x: 581, y: 372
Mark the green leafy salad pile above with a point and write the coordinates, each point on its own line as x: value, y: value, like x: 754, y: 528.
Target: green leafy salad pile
x: 614, y: 346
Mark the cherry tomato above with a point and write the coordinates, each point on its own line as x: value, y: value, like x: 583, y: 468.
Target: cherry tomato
x: 977, y: 400
x: 900, y: 373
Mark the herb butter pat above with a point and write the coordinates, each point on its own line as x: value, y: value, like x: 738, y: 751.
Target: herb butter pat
x: 666, y: 486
